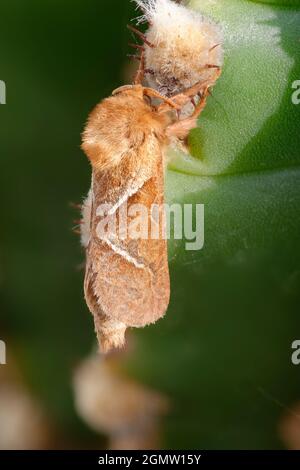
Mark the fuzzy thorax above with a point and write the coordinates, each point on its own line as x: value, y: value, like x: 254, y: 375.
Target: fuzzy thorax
x: 184, y: 41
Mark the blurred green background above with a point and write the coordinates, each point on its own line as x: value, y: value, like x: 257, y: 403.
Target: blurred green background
x: 223, y: 352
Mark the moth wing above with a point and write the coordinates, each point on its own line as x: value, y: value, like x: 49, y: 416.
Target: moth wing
x: 127, y: 279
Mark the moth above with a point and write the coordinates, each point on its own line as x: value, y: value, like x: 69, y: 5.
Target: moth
x: 127, y: 278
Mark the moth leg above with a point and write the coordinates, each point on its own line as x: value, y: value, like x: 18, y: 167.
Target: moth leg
x: 181, y: 129
x: 139, y: 77
x: 182, y: 98
x: 167, y: 102
x: 198, y: 87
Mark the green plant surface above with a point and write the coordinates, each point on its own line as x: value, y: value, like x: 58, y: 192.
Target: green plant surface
x: 222, y: 353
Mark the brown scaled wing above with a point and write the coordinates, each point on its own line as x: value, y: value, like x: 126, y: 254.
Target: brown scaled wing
x: 127, y: 280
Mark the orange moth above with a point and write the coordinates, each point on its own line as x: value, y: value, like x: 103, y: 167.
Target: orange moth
x: 127, y: 279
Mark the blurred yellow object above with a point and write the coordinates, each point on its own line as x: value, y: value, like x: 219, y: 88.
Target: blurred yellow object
x: 112, y: 404
x: 23, y: 423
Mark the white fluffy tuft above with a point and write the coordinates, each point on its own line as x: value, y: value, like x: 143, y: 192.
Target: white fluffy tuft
x: 185, y: 42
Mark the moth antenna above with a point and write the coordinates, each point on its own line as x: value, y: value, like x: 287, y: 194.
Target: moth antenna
x: 76, y: 231
x: 140, y: 34
x: 78, y: 222
x: 121, y: 88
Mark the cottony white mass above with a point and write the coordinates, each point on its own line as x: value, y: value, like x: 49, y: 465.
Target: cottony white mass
x: 187, y: 46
